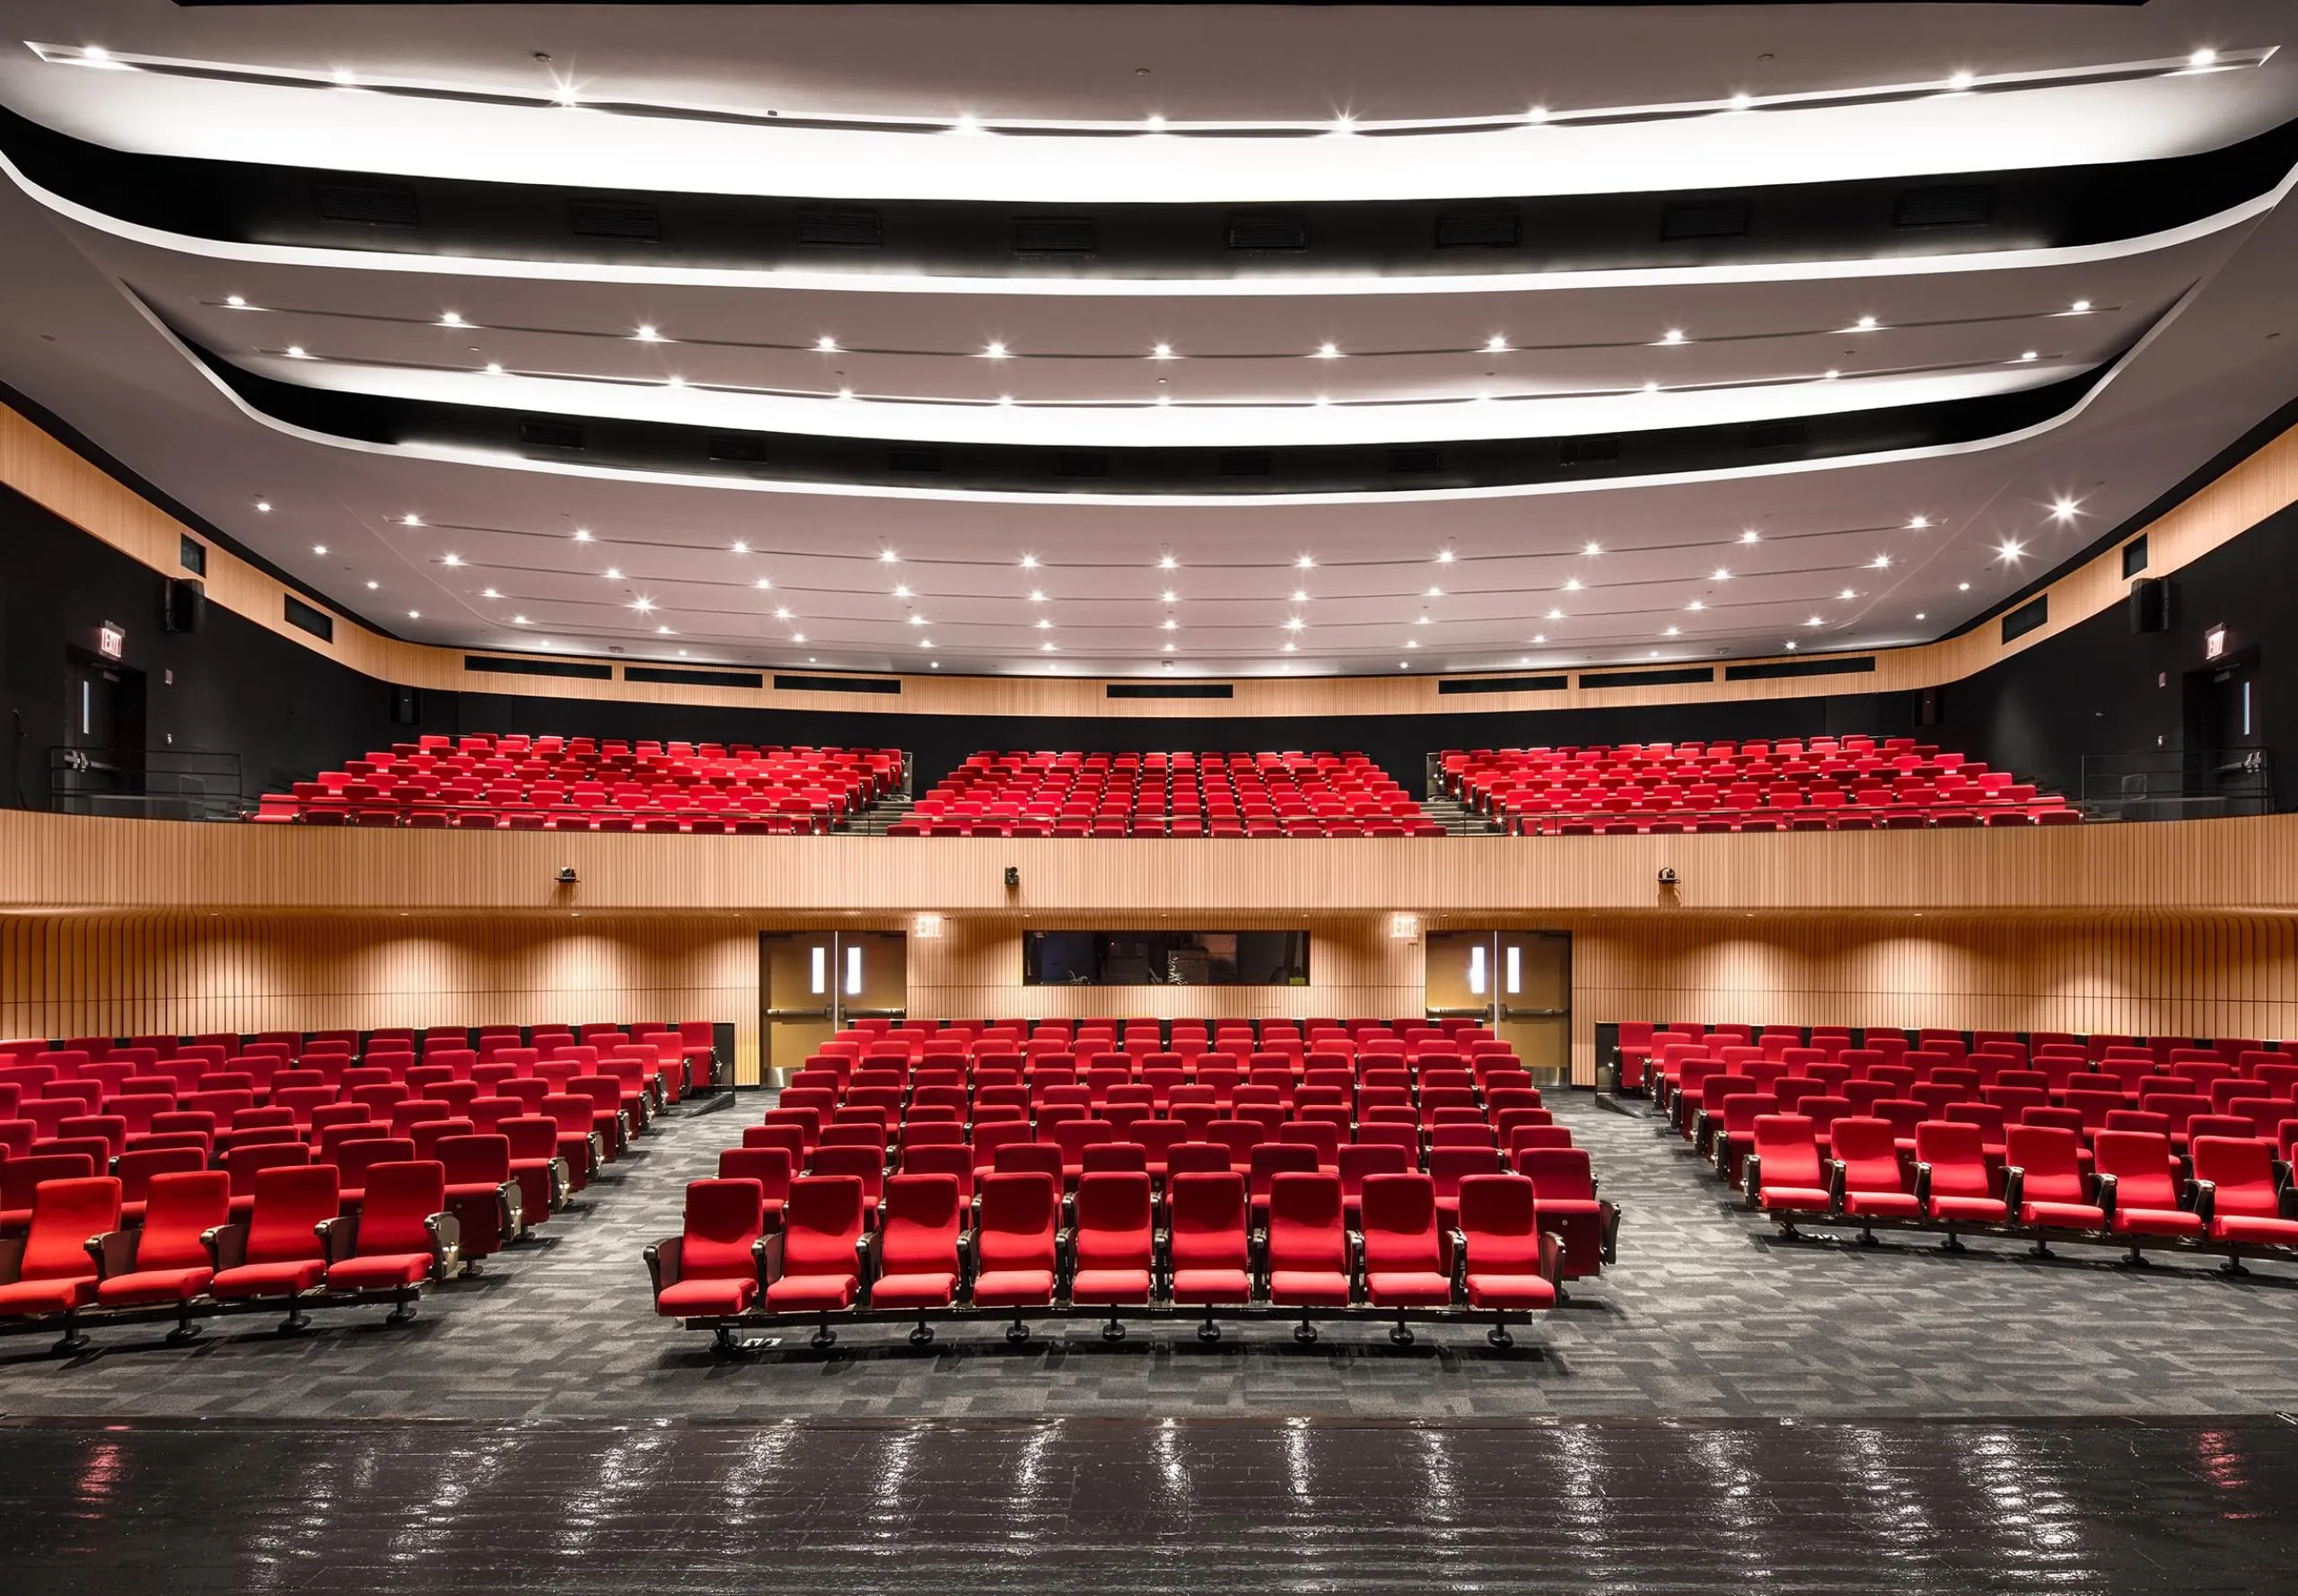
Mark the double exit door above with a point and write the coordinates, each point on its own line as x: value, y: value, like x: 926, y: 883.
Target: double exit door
x: 1517, y: 982
x: 812, y: 984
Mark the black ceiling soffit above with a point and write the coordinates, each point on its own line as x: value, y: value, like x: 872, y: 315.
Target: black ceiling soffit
x: 664, y: 448
x: 2056, y: 207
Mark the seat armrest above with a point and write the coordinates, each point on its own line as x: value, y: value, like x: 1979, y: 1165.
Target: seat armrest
x: 339, y: 1237
x: 1257, y: 1261
x: 597, y: 1151
x: 1460, y: 1240
x: 114, y: 1253
x: 2107, y: 1184
x: 1552, y: 1260
x: 768, y: 1251
x: 446, y: 1234
x: 510, y: 1209
x: 1357, y: 1287
x: 969, y: 1265
x: 867, y: 1261
x: 1923, y: 1186
x: 226, y: 1244
x: 1064, y: 1259
x: 1751, y: 1177
x: 1836, y: 1177
x: 2014, y: 1190
x: 2203, y: 1198
x: 664, y: 1259
x: 1610, y: 1213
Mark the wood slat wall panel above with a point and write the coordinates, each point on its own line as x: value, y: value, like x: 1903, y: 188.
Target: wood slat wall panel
x: 49, y: 474
x: 127, y: 973
x: 62, y: 862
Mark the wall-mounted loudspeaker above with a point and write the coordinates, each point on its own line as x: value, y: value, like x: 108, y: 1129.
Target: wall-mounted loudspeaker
x: 1926, y: 708
x: 406, y: 705
x: 2150, y: 605
x: 186, y: 606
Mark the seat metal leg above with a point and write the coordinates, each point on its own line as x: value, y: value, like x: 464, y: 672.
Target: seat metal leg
x: 1304, y: 1332
x: 921, y: 1334
x: 402, y: 1308
x: 1499, y: 1334
x: 73, y: 1340
x: 1017, y: 1332
x: 1208, y: 1331
x: 823, y: 1337
x: 1114, y: 1330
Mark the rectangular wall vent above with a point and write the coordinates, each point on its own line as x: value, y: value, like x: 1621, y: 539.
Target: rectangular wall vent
x: 1268, y: 232
x: 365, y: 205
x: 1478, y: 230
x: 734, y: 447
x: 1503, y: 684
x: 914, y: 460
x: 671, y: 676
x: 319, y: 623
x: 191, y: 554
x: 2134, y: 556
x: 1726, y: 219
x: 1954, y: 205
x: 1844, y: 665
x: 841, y: 229
x: 837, y: 684
x: 1170, y: 690
x: 631, y: 221
x: 2025, y: 619
x: 574, y: 669
x: 1056, y: 235
x: 1588, y: 452
x: 549, y: 434
x: 1684, y: 676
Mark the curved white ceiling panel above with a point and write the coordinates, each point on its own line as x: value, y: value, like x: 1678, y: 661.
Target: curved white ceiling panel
x: 2085, y: 113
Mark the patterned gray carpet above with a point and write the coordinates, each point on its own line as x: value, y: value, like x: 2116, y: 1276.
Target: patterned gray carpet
x: 1706, y: 1316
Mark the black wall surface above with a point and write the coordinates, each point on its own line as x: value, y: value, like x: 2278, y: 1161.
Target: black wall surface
x: 2097, y: 689
x: 240, y: 688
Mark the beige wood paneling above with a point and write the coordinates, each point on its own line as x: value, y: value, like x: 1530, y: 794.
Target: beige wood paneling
x: 51, y: 475
x: 124, y: 974
x: 62, y: 862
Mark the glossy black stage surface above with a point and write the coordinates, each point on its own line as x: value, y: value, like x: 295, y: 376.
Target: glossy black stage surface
x: 931, y: 1505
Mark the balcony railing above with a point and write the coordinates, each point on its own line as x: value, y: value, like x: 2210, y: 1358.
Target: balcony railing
x: 2175, y: 784
x: 160, y: 783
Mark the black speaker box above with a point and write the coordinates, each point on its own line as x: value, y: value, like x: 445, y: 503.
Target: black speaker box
x: 186, y: 609
x: 406, y: 705
x: 2150, y: 605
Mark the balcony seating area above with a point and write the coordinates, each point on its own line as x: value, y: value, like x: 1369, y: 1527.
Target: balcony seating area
x: 2141, y: 1144
x: 1823, y: 784
x: 1167, y: 794
x: 1307, y: 1170
x: 517, y: 782
x: 289, y: 1170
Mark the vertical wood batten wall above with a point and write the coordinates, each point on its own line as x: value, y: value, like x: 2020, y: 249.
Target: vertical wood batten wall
x: 122, y: 974
x: 2143, y: 973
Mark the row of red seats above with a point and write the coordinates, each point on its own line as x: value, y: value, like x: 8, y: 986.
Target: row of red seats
x: 550, y: 783
x: 1830, y: 783
x: 299, y: 1246
x: 960, y: 1041
x: 1641, y: 1045
x: 1009, y: 1252
x: 2230, y: 1195
x: 1047, y: 794
x: 692, y: 1040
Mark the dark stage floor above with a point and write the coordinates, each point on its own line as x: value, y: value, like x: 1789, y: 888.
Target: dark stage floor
x: 1121, y: 1505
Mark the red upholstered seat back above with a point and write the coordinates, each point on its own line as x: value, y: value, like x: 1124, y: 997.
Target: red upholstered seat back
x: 1400, y: 1223
x: 289, y: 1202
x: 821, y: 1223
x: 1304, y: 1223
x: 65, y: 1214
x: 919, y: 1232
x: 1207, y: 1214
x: 179, y: 1208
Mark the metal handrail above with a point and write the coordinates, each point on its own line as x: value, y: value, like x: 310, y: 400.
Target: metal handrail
x: 160, y: 783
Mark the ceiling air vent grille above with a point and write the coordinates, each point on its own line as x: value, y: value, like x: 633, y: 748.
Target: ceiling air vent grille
x: 1268, y: 232
x: 360, y: 205
x: 1477, y: 230
x: 1246, y: 462
x: 841, y: 229
x: 732, y: 446
x: 1959, y: 205
x: 630, y: 221
x: 1056, y: 235
x: 550, y: 434
x: 1778, y: 435
x: 1588, y: 452
x: 1723, y: 219
x: 916, y: 459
